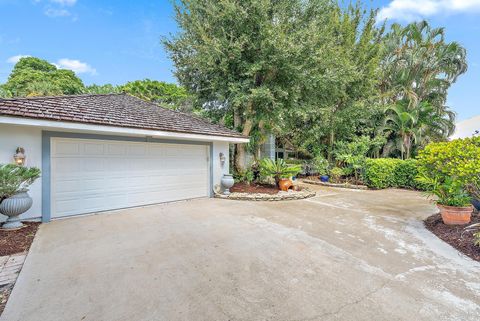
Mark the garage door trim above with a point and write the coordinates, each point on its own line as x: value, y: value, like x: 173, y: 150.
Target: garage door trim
x: 46, y: 158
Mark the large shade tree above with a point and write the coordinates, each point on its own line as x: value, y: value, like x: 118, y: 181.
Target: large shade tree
x: 244, y: 58
x: 340, y: 93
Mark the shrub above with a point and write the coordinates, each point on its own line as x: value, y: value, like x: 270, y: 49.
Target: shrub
x: 390, y: 172
x: 458, y: 159
x: 246, y: 176
x: 405, y: 173
x: 336, y: 173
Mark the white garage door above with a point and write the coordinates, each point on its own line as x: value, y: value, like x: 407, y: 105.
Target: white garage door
x: 98, y: 175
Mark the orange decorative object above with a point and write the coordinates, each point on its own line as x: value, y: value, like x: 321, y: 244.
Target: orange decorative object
x: 285, y: 184
x: 452, y: 215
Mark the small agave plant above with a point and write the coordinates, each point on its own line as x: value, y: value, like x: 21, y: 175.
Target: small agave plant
x: 475, y: 228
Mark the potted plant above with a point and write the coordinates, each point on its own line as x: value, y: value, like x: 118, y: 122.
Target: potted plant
x: 280, y: 171
x: 322, y: 167
x: 14, y: 198
x: 452, y: 199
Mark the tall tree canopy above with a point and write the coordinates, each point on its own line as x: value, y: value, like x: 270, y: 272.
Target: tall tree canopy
x: 237, y: 56
x: 37, y: 77
x: 266, y: 61
x: 418, y: 68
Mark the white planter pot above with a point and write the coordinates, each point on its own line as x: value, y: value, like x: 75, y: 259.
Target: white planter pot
x: 227, y: 182
x: 13, y: 207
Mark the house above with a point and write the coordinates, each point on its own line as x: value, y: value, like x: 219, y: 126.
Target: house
x: 105, y: 152
x: 467, y: 128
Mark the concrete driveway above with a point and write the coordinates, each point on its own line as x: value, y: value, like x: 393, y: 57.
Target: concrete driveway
x: 343, y: 255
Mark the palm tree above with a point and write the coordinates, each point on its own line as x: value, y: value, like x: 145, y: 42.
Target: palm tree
x: 418, y: 68
x: 402, y: 124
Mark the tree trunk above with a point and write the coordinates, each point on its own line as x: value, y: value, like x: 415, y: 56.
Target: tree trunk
x: 246, y: 125
x: 330, y: 148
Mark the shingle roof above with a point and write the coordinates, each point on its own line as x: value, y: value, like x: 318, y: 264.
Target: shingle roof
x: 119, y: 110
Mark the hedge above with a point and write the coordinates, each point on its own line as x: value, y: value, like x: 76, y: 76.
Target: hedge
x: 390, y: 172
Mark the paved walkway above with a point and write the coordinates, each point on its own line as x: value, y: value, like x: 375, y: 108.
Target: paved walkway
x: 342, y: 255
x: 10, y: 267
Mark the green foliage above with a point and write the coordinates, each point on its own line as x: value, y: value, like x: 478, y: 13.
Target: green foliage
x: 459, y: 159
x: 157, y: 91
x: 244, y: 176
x: 390, y: 172
x: 417, y: 69
x: 405, y: 174
x: 449, y: 191
x: 336, y: 173
x: 278, y: 169
x: 321, y: 165
x: 352, y: 155
x: 102, y: 89
x: 14, y: 179
x: 473, y: 187
x: 36, y: 77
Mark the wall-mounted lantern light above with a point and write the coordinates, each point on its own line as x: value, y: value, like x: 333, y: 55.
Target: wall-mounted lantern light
x: 222, y: 158
x: 19, y: 156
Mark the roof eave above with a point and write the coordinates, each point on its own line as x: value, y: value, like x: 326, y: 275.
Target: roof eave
x: 117, y: 130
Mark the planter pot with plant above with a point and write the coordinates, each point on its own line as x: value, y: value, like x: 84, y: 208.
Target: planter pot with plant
x: 278, y: 170
x: 14, y: 198
x: 452, y: 199
x: 322, y: 166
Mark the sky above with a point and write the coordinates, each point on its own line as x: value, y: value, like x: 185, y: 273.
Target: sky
x: 118, y: 41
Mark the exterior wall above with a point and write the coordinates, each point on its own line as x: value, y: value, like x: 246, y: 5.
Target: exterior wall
x: 30, y: 138
x: 217, y: 169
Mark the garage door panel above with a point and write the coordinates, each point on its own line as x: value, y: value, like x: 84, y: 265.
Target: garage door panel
x: 96, y: 175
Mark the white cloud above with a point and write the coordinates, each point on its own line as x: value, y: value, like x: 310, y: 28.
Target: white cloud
x: 76, y: 66
x: 15, y: 59
x: 409, y: 10
x: 64, y: 2
x: 51, y: 12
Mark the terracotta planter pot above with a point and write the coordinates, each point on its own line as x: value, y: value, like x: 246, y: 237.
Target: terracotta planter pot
x: 285, y: 184
x: 452, y: 215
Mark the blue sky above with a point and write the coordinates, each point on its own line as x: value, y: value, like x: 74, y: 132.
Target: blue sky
x: 117, y: 41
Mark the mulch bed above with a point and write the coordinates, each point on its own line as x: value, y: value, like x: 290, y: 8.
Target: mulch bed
x: 254, y: 188
x: 17, y: 241
x: 455, y: 235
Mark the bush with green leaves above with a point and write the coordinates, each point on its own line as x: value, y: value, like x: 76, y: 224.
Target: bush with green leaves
x: 15, y: 179
x: 278, y: 169
x: 352, y: 155
x: 246, y: 176
x: 390, y: 172
x: 473, y: 187
x: 458, y: 159
x: 336, y: 173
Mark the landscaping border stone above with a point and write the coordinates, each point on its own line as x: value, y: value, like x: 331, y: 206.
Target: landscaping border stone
x: 343, y: 185
x: 280, y: 196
